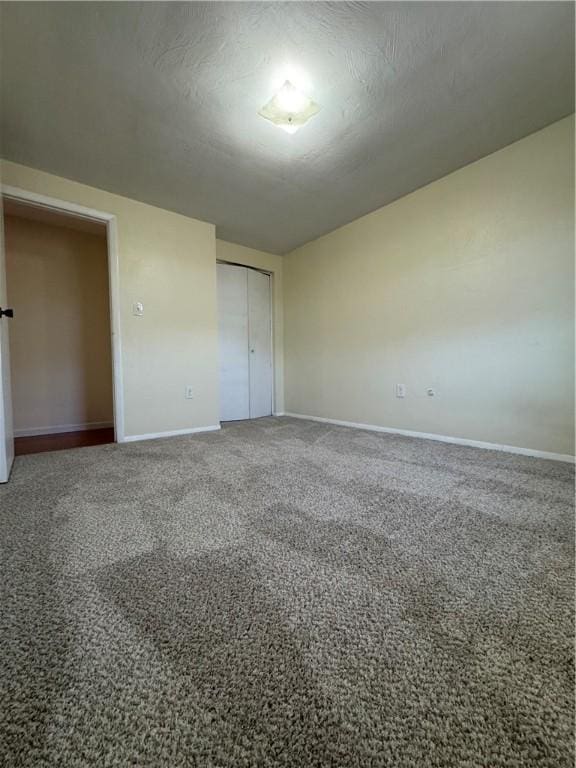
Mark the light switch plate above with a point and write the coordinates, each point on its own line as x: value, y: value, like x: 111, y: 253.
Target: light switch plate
x: 138, y: 309
x: 400, y: 390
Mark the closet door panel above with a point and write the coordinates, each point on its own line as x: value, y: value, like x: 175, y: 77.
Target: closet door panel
x: 260, y: 344
x: 233, y: 342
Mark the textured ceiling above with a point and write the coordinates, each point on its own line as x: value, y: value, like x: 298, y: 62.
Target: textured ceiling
x: 159, y: 101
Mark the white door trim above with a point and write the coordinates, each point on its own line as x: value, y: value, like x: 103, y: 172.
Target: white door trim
x: 53, y: 203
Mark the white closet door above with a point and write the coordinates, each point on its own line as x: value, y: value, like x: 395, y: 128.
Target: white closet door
x: 233, y: 342
x: 259, y: 329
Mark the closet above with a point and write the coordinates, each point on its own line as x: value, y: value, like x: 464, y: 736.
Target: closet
x: 245, y: 342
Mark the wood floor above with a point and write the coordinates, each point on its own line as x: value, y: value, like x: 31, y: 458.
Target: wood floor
x: 62, y: 441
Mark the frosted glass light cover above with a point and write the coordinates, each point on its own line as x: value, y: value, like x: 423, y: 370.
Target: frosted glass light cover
x: 289, y: 109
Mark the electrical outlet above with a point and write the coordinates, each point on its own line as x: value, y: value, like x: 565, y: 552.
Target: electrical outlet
x: 400, y: 390
x: 138, y: 309
x: 189, y: 392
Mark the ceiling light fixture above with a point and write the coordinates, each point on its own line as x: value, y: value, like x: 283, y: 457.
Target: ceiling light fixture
x: 289, y: 109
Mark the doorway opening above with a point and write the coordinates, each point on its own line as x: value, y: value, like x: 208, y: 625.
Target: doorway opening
x: 61, y: 357
x: 245, y: 342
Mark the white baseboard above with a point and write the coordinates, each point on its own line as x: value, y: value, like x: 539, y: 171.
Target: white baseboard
x: 441, y: 438
x: 34, y: 431
x: 279, y: 413
x: 171, y: 433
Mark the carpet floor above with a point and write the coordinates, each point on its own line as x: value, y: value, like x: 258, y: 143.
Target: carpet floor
x: 287, y: 593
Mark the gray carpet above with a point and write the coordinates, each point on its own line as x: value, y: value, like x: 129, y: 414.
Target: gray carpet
x: 285, y: 593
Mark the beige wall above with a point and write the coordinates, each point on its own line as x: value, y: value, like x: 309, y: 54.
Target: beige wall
x: 60, y: 354
x: 467, y: 286
x: 238, y: 254
x: 166, y: 261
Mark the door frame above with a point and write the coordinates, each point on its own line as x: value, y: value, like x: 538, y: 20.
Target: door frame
x: 80, y: 211
x: 272, y: 326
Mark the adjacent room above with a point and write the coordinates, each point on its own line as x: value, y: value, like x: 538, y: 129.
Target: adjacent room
x: 60, y: 351
x: 287, y: 383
